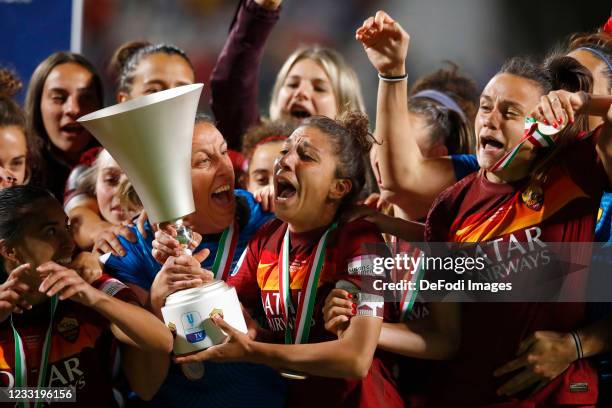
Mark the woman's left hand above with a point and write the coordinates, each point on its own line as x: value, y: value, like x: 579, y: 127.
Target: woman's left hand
x: 542, y: 356
x: 338, y: 310
x: 559, y: 107
x: 237, y: 347
x: 66, y: 283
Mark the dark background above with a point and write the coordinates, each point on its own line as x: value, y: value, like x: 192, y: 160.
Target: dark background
x: 478, y: 35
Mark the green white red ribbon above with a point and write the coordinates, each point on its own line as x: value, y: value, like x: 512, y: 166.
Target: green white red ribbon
x: 538, y: 134
x: 308, y: 292
x: 410, y: 296
x: 21, y: 368
x: 225, y: 252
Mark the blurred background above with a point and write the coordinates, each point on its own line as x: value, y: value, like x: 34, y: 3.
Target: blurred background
x: 478, y: 35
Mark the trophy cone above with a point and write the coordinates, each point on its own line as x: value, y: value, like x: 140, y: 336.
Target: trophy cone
x: 150, y: 138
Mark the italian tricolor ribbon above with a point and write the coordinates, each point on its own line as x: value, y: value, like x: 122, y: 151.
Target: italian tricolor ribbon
x: 225, y: 252
x: 308, y: 292
x: 410, y: 296
x: 21, y: 368
x: 538, y: 134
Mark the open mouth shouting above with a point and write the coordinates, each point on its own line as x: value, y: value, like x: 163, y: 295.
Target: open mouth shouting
x: 72, y: 128
x: 284, y: 189
x: 222, y: 195
x: 299, y: 111
x: 490, y: 145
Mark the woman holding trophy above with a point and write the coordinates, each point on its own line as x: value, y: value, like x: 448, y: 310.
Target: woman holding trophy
x: 294, y: 261
x: 156, y: 269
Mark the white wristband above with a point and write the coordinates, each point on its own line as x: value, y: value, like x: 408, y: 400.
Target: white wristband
x: 392, y: 78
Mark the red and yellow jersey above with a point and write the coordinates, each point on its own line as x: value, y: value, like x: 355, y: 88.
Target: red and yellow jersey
x: 349, y: 256
x: 517, y: 236
x: 82, y: 347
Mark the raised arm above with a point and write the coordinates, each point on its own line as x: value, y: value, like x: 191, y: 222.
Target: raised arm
x: 409, y: 180
x: 233, y: 81
x: 564, y: 105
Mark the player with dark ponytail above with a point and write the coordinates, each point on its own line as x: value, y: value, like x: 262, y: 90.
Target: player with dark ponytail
x: 524, y: 190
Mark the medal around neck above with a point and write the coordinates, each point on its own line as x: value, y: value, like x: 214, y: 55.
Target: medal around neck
x: 189, y: 313
x: 193, y: 371
x: 305, y: 308
x: 538, y: 134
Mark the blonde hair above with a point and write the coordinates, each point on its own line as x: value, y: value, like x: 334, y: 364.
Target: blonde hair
x: 344, y: 81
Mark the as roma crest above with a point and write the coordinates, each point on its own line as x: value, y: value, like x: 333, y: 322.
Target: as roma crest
x: 68, y: 328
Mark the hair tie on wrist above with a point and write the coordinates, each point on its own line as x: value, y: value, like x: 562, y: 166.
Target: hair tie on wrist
x: 392, y: 78
x: 578, y: 344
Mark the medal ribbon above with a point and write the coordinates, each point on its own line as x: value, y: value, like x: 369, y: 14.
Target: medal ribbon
x: 225, y: 252
x: 409, y: 296
x: 21, y: 369
x: 307, y: 300
x: 538, y: 134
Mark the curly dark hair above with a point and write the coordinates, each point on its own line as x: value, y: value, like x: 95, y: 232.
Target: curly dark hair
x: 352, y: 142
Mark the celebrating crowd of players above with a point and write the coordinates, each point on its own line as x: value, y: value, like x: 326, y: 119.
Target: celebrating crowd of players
x: 290, y: 188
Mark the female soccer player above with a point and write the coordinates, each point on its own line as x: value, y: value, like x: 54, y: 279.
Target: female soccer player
x: 105, y: 181
x: 313, y: 80
x: 543, y: 196
x: 510, y: 96
x: 14, y: 152
x: 221, y: 214
x: 293, y: 262
x: 63, y: 87
x: 261, y: 146
x: 594, y: 51
x: 140, y: 68
x: 56, y: 330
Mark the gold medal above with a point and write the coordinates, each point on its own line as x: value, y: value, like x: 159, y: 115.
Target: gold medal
x: 533, y: 196
x: 193, y: 371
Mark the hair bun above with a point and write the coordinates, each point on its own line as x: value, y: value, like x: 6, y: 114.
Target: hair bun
x: 357, y: 124
x: 123, y: 54
x: 10, y: 83
x: 568, y: 74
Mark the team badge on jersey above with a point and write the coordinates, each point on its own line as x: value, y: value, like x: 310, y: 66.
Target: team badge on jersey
x: 68, y: 328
